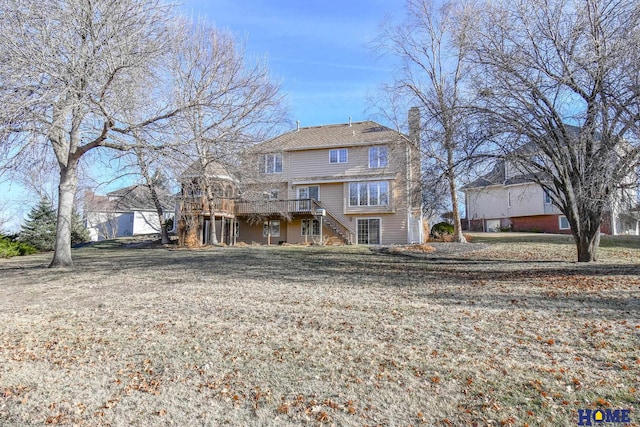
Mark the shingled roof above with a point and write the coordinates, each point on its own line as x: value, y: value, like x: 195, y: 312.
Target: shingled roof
x: 497, y: 177
x: 340, y: 135
x: 214, y: 169
x: 133, y: 198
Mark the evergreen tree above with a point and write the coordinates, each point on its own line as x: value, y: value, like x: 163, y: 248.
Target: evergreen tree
x: 79, y: 233
x: 39, y: 230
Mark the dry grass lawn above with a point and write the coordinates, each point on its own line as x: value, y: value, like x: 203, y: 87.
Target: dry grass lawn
x: 511, y: 333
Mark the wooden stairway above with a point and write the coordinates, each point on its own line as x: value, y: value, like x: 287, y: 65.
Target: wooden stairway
x: 336, y: 226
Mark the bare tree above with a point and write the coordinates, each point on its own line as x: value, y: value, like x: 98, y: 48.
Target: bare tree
x: 154, y: 181
x: 245, y: 107
x: 72, y: 72
x: 67, y: 68
x: 432, y: 47
x: 434, y: 191
x: 560, y: 81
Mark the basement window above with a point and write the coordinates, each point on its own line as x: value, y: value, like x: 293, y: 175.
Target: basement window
x: 271, y: 228
x: 310, y: 227
x: 564, y: 223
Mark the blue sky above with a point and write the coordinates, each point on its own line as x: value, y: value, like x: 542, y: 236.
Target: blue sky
x: 317, y: 50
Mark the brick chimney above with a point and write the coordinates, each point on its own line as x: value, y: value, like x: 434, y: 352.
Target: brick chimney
x: 414, y: 125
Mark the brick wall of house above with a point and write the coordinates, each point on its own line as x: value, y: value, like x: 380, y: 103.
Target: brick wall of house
x: 538, y: 223
x: 474, y: 225
x: 605, y: 226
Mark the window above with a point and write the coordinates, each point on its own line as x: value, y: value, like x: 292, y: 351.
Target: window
x: 564, y: 223
x: 547, y: 198
x: 310, y: 227
x: 338, y: 155
x: 369, y: 193
x: 271, y: 228
x: 272, y: 163
x: 369, y: 231
x: 509, y: 199
x: 378, y: 157
x: 273, y: 195
x: 311, y: 192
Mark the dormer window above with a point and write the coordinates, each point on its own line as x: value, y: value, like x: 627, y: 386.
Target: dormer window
x: 378, y: 157
x: 272, y: 163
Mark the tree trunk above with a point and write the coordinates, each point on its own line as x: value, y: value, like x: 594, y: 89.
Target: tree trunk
x: 213, y: 237
x: 458, y: 237
x: 587, y: 245
x: 160, y: 211
x: 66, y: 194
x: 151, y: 185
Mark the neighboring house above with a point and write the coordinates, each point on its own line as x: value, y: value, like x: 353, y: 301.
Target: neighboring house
x: 505, y: 198
x: 355, y: 183
x: 129, y: 211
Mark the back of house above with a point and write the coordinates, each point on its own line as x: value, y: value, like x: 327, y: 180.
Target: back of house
x: 352, y: 183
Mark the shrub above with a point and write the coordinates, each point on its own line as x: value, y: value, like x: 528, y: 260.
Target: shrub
x: 441, y: 229
x: 10, y: 248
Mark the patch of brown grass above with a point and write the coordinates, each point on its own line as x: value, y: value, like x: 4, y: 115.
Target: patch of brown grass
x: 422, y: 248
x: 313, y: 335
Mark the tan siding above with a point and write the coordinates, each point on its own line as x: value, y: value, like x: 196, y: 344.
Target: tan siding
x: 253, y: 233
x: 312, y: 166
x: 309, y: 164
x: 294, y: 232
x: 394, y: 229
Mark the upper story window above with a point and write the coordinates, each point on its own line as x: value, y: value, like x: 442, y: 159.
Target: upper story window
x: 272, y: 163
x: 369, y: 193
x: 338, y: 155
x: 378, y: 157
x: 547, y: 198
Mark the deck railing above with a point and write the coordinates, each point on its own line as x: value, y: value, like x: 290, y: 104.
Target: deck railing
x: 199, y: 204
x: 222, y: 205
x: 274, y: 207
